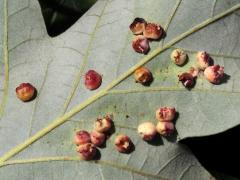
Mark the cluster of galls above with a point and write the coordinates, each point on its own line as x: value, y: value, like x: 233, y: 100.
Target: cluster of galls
x: 144, y: 32
x: 87, y: 143
x: 213, y: 73
x: 165, y: 126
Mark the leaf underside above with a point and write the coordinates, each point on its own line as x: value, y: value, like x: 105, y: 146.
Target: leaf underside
x: 101, y: 40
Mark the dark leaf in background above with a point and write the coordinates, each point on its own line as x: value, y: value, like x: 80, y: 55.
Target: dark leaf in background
x: 218, y: 153
x: 59, y: 15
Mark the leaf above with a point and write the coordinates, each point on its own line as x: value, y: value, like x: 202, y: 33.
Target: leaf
x: 39, y: 133
x: 217, y: 146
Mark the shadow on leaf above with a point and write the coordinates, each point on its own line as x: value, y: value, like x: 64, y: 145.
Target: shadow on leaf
x: 225, y: 78
x: 157, y: 141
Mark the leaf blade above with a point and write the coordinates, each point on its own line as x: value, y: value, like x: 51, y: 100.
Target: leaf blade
x: 103, y: 104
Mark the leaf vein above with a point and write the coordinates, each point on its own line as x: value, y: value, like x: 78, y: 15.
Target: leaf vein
x: 6, y: 59
x: 73, y: 49
x: 19, y: 11
x: 168, y: 162
x: 185, y: 171
x: 85, y: 60
x: 65, y: 158
x: 37, y: 99
x: 172, y: 15
x: 170, y: 19
x: 213, y: 7
x: 176, y: 89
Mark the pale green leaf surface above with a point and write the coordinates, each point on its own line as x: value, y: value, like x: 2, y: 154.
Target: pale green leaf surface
x: 101, y: 40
